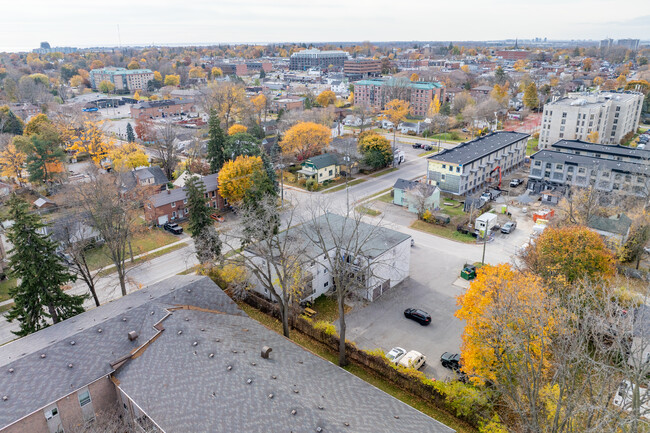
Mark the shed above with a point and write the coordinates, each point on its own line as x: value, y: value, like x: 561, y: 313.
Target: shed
x: 485, y: 222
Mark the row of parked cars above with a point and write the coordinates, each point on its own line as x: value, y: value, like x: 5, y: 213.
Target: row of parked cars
x: 643, y: 140
x: 422, y: 146
x: 413, y: 358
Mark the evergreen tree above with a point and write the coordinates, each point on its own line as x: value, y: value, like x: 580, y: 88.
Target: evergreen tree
x: 262, y: 74
x: 44, y: 159
x: 9, y: 123
x: 206, y: 238
x: 34, y: 262
x: 130, y: 135
x: 216, y: 143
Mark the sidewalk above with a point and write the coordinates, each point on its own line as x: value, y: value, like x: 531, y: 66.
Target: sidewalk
x: 105, y: 268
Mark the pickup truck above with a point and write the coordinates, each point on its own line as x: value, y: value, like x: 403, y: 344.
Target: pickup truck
x: 173, y: 228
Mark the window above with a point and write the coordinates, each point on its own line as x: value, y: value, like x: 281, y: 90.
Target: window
x: 173, y: 214
x: 49, y: 414
x: 325, y: 270
x: 457, y: 169
x: 451, y: 168
x: 84, y: 398
x: 444, y: 166
x: 173, y: 204
x: 326, y: 284
x: 538, y: 163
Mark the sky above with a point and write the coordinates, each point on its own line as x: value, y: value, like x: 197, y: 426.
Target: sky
x: 25, y: 23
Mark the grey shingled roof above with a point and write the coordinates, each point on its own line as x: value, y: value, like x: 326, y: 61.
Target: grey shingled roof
x: 583, y: 160
x: 37, y: 382
x: 404, y: 184
x: 322, y: 161
x: 470, y: 151
x: 182, y: 389
x: 618, y: 224
x: 376, y: 240
x: 172, y: 195
x: 616, y: 150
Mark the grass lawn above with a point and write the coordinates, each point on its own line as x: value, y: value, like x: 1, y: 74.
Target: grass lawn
x: 381, y: 173
x: 149, y: 240
x: 375, y: 380
x: 456, y: 208
x: 5, y: 286
x: 532, y: 146
x: 382, y: 192
x: 341, y: 187
x: 327, y: 308
x: 447, y: 136
x: 367, y: 211
x: 144, y: 258
x: 4, y: 308
x: 448, y: 232
x: 386, y: 198
x: 428, y: 152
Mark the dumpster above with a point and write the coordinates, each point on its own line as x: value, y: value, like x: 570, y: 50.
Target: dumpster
x: 468, y: 273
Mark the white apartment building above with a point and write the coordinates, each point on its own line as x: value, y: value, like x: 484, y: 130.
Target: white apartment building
x: 611, y: 114
x: 123, y: 79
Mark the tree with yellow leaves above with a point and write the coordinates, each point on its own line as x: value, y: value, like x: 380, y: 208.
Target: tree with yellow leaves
x: 621, y: 81
x: 236, y: 177
x: 96, y: 64
x: 133, y: 64
x: 306, y: 139
x: 415, y: 77
x: 465, y: 69
x: 520, y: 65
x: 216, y: 72
x: 157, y: 76
x: 500, y: 93
x: 91, y: 140
x: 237, y: 129
x: 196, y: 72
x: 434, y: 107
x: 76, y: 81
x: 491, y: 335
x: 259, y: 104
x: 396, y: 112
x: 128, y: 157
x: 172, y: 80
x: 326, y: 98
x: 228, y: 99
x: 592, y: 137
x: 106, y: 86
x: 136, y: 95
x: 12, y: 162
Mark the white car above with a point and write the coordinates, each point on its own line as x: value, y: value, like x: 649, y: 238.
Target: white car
x: 395, y: 354
x: 413, y: 359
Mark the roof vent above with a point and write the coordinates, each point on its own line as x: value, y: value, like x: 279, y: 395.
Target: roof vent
x: 72, y: 343
x: 169, y: 191
x: 5, y: 398
x: 195, y: 343
x: 11, y: 370
x: 180, y: 332
x: 293, y: 412
x: 270, y: 395
x: 133, y: 335
x: 266, y: 350
x: 211, y: 355
x: 318, y: 429
x: 249, y: 381
x: 123, y: 319
x: 70, y: 365
x: 43, y: 355
x: 99, y: 330
x: 229, y: 368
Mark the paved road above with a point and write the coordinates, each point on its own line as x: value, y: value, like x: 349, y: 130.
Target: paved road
x: 108, y: 288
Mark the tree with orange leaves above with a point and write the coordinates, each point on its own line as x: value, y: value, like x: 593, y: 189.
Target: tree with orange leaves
x: 306, y: 139
x: 237, y: 128
x: 570, y: 254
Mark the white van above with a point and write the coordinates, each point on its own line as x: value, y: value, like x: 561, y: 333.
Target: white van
x: 413, y: 359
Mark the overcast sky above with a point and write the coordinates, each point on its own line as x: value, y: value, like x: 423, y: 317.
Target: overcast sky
x: 25, y: 23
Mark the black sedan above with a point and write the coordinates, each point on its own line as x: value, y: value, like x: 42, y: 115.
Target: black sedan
x: 450, y: 360
x: 422, y: 317
x: 173, y: 228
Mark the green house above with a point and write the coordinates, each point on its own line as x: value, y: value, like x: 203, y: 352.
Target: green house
x: 408, y: 193
x: 320, y: 168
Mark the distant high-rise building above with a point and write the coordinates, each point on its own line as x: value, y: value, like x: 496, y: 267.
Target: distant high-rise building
x: 377, y: 93
x: 45, y: 45
x: 606, y: 43
x: 610, y: 114
x: 307, y: 59
x: 630, y: 44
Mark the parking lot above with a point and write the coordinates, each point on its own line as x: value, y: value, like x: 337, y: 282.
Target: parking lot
x: 432, y: 286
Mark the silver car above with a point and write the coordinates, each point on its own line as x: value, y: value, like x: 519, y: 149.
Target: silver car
x: 509, y: 227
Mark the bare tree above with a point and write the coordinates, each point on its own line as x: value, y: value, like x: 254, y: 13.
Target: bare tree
x: 113, y: 215
x: 109, y: 421
x: 419, y: 196
x: 165, y: 149
x: 364, y: 112
x: 275, y: 257
x: 345, y: 245
x: 76, y: 236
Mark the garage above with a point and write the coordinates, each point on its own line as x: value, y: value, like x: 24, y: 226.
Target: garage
x: 163, y: 219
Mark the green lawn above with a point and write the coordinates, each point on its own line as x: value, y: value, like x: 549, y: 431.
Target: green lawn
x: 447, y: 136
x: 386, y: 198
x: 373, y: 379
x: 150, y: 239
x: 456, y: 208
x: 368, y: 211
x: 428, y: 152
x: 532, y: 146
x: 5, y: 286
x: 143, y: 258
x: 341, y: 187
x: 447, y: 231
x: 383, y: 172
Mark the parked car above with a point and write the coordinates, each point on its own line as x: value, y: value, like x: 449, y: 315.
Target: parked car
x: 422, y: 317
x: 395, y: 354
x: 413, y: 359
x: 173, y: 228
x: 217, y: 217
x: 486, y: 196
x: 417, y: 145
x: 450, y: 360
x: 427, y: 147
x: 509, y: 227
x: 514, y: 183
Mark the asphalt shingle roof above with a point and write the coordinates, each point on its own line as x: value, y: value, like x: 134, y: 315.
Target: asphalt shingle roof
x: 322, y: 161
x: 180, y: 386
x: 172, y: 195
x: 616, y: 150
x: 618, y: 224
x: 609, y: 164
x: 470, y: 151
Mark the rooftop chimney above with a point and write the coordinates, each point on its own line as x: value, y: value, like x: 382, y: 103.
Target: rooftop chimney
x: 133, y: 335
x: 266, y: 350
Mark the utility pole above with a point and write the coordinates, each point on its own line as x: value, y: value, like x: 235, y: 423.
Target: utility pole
x: 485, y: 234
